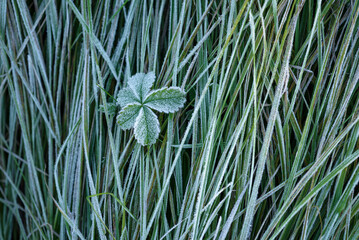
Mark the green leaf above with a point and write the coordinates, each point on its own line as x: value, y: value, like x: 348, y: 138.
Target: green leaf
x: 166, y: 100
x: 126, y: 96
x: 111, y: 108
x: 147, y: 127
x: 137, y: 101
x: 141, y: 84
x: 127, y: 116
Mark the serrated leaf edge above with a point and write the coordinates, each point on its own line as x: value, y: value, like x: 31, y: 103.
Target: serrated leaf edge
x: 123, y: 110
x: 157, y: 126
x: 166, y: 88
x: 133, y: 94
x: 144, y: 78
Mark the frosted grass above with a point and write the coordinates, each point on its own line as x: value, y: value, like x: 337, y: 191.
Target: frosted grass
x: 179, y: 119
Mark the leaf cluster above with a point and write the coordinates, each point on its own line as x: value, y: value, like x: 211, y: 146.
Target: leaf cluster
x: 137, y: 102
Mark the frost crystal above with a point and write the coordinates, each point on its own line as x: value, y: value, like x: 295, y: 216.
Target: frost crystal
x: 127, y: 116
x: 141, y: 84
x: 166, y: 100
x: 126, y: 96
x: 136, y: 102
x: 147, y: 127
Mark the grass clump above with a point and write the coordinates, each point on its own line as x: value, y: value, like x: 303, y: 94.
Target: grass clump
x: 259, y: 142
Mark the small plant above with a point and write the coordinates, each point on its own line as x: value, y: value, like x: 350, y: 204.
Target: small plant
x: 112, y: 108
x: 137, y: 102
